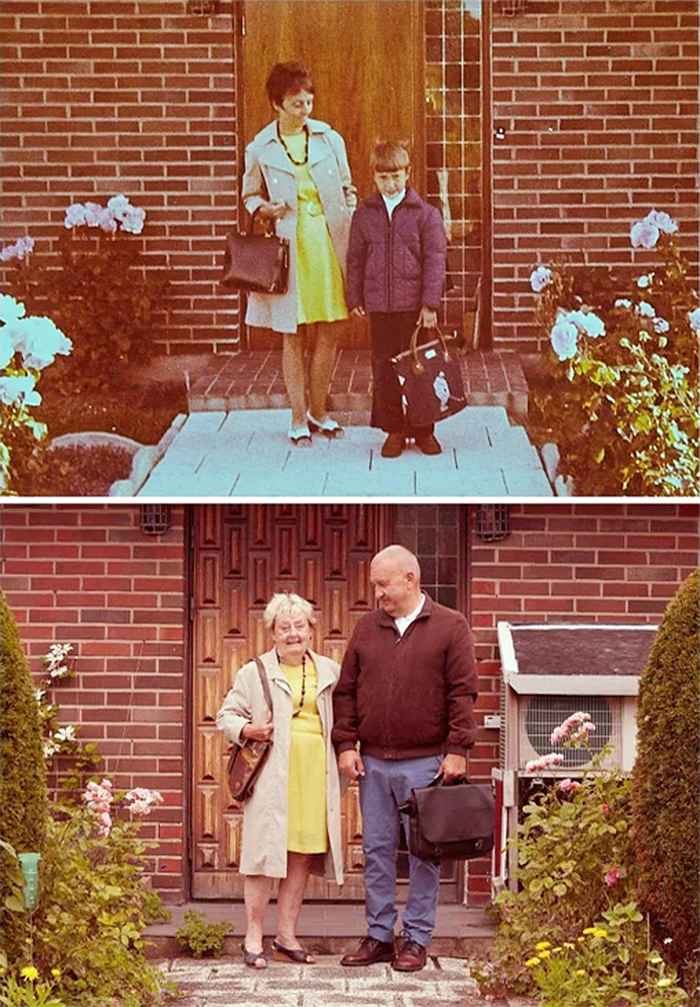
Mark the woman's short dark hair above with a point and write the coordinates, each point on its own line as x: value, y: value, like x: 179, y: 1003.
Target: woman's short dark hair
x: 287, y: 78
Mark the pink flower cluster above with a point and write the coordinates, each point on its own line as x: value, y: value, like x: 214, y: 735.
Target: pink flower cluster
x: 140, y: 800
x: 575, y: 728
x: 612, y: 877
x: 645, y: 232
x: 98, y: 797
x: 544, y: 763
x: 21, y: 248
x: 569, y: 786
x: 118, y: 213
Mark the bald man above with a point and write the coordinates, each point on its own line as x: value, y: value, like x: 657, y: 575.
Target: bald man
x: 404, y: 712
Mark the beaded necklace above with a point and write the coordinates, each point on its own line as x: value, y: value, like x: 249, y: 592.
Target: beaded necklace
x: 287, y: 150
x: 303, y: 683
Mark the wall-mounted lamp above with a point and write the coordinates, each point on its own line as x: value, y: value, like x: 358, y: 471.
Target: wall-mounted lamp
x: 511, y: 8
x: 155, y: 519
x: 492, y: 522
x: 500, y: 133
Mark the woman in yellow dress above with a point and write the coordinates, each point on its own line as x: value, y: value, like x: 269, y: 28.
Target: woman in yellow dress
x: 291, y: 822
x: 297, y: 175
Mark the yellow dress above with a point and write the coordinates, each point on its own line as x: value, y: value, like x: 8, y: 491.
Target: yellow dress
x: 306, y: 809
x: 320, y: 286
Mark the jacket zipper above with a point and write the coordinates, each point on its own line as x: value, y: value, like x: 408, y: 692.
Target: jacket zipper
x: 388, y: 261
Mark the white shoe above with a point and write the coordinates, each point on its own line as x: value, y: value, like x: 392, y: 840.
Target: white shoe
x: 300, y: 436
x: 329, y: 427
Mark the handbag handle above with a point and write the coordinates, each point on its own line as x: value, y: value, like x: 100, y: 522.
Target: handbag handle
x: 439, y: 780
x: 417, y: 365
x: 270, y: 231
x: 264, y: 682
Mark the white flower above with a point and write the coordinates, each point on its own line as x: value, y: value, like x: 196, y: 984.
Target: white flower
x: 644, y: 233
x: 645, y: 309
x: 694, y: 319
x: 623, y: 302
x: 540, y: 278
x: 564, y: 337
x: 119, y: 205
x: 661, y: 325
x: 39, y: 693
x: 14, y: 388
x: 589, y: 322
x: 75, y: 215
x: 49, y: 748
x: 662, y: 220
x: 39, y: 340
x: 10, y: 309
x: 133, y: 221
x: 65, y: 734
x: 644, y: 281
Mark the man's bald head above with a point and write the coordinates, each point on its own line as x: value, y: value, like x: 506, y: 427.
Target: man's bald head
x: 395, y: 576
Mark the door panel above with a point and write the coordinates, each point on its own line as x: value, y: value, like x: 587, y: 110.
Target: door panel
x: 367, y: 62
x: 244, y: 554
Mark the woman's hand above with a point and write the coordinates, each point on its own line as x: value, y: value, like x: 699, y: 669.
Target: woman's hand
x: 358, y: 312
x: 258, y: 732
x: 272, y: 211
x: 427, y: 318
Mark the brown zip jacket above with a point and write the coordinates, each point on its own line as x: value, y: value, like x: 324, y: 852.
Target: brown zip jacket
x: 404, y: 697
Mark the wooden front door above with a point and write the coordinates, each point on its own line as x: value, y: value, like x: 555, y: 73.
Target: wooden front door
x: 367, y: 62
x: 243, y: 554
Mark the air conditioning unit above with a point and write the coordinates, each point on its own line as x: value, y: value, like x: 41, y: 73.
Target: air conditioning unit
x: 551, y: 670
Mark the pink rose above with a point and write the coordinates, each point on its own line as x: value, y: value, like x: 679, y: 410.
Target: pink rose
x: 568, y: 785
x: 644, y: 233
x: 612, y: 877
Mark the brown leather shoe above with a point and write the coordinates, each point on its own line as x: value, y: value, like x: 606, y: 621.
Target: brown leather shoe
x: 411, y: 957
x: 429, y: 444
x: 393, y: 446
x: 370, y: 951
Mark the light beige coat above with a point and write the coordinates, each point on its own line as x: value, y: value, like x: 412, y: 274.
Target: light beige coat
x: 269, y: 175
x: 264, y: 842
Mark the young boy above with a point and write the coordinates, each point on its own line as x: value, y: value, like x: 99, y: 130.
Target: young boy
x: 396, y: 274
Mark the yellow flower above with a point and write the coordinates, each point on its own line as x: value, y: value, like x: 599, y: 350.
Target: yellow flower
x: 556, y: 951
x: 664, y: 982
x: 600, y: 933
x: 544, y: 953
x: 580, y: 972
x: 568, y: 944
x: 55, y: 973
x: 29, y: 972
x: 656, y: 960
x: 589, y: 930
x: 531, y: 962
x: 580, y: 939
x: 542, y: 945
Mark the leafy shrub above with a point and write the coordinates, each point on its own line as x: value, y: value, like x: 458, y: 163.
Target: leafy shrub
x: 625, y: 417
x: 666, y: 780
x: 23, y: 795
x: 98, y: 292
x: 200, y: 937
x: 81, y: 471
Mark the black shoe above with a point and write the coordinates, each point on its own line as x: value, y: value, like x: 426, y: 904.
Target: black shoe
x: 428, y: 444
x: 370, y: 951
x: 393, y: 446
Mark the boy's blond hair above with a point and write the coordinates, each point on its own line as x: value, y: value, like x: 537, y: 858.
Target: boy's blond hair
x: 389, y: 155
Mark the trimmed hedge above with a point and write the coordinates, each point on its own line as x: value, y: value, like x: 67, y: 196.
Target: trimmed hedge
x: 23, y: 793
x: 666, y: 780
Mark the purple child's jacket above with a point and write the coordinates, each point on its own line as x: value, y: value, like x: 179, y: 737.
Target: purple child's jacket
x: 397, y: 264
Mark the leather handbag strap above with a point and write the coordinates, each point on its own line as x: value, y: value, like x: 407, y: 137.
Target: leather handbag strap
x: 264, y: 682
x: 414, y: 341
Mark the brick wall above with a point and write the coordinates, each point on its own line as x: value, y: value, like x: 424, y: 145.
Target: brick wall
x: 598, y: 99
x: 88, y: 576
x: 132, y: 96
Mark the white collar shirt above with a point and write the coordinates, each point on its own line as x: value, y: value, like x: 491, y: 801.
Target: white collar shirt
x: 404, y: 621
x: 391, y: 202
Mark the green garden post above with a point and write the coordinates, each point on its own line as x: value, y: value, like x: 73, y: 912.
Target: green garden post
x: 30, y: 870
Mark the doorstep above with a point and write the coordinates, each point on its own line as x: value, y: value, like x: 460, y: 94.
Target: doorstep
x: 253, y: 379
x: 328, y: 928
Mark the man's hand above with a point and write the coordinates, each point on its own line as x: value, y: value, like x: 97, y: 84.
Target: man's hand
x: 350, y: 764
x: 258, y: 732
x: 452, y: 767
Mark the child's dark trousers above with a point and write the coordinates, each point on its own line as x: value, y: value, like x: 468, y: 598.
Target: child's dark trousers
x: 391, y: 334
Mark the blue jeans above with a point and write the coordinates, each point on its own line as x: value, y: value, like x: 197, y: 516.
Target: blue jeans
x: 384, y: 786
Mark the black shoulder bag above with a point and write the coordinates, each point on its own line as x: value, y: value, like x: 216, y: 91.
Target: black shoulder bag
x: 450, y: 821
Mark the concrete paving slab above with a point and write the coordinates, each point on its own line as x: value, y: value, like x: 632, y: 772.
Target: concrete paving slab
x: 247, y: 453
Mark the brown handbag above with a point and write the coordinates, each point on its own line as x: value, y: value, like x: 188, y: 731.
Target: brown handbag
x: 431, y: 382
x: 257, y: 262
x: 247, y: 760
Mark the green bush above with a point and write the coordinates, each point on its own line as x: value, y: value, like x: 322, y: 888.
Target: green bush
x: 666, y: 779
x: 23, y: 794
x: 200, y: 937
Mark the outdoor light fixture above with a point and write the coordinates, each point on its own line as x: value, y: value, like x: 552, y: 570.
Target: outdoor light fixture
x: 492, y: 522
x: 203, y: 8
x: 512, y: 8
x: 155, y: 519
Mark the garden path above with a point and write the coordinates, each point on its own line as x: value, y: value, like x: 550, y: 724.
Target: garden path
x: 246, y: 453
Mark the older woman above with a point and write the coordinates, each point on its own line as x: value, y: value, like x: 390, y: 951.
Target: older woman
x: 297, y: 174
x: 291, y: 822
